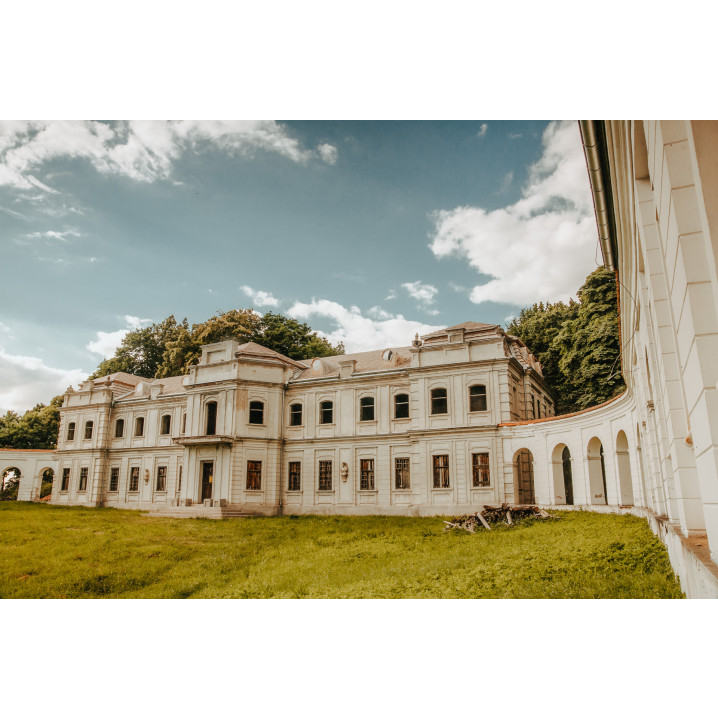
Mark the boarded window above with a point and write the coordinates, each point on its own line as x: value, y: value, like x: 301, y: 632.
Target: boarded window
x: 366, y: 408
x: 184, y: 423
x: 135, y: 478
x: 295, y: 415
x: 480, y: 469
x: 83, y: 479
x: 114, y: 478
x: 256, y: 412
x: 65, y: 480
x: 477, y: 398
x: 325, y: 475
x: 367, y: 475
x: 439, y: 403
x: 71, y: 431
x: 161, y: 484
x: 295, y: 475
x: 88, y: 429
x: 140, y: 426
x: 402, y: 473
x: 165, y: 425
x: 119, y: 428
x: 401, y: 406
x: 254, y: 475
x: 326, y: 412
x: 441, y: 471
x: 211, y: 418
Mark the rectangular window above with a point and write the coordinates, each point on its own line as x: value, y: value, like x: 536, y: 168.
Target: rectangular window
x: 256, y: 412
x: 366, y: 408
x: 161, y: 478
x: 325, y: 475
x: 88, y: 430
x: 439, y: 401
x: 119, y: 428
x: 326, y: 412
x: 184, y: 423
x: 295, y: 475
x: 401, y: 406
x: 480, y: 469
x: 65, y: 480
x: 367, y: 475
x: 441, y: 471
x: 477, y: 398
x: 114, y: 478
x: 254, y: 475
x: 139, y: 426
x: 135, y: 478
x: 71, y: 431
x: 179, y: 481
x: 83, y: 479
x: 402, y: 473
x: 211, y: 418
x: 165, y: 424
x: 295, y: 415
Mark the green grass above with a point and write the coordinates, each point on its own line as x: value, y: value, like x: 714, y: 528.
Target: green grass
x: 53, y: 552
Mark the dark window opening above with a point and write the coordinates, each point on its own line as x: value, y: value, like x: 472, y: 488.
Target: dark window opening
x: 477, y: 398
x: 119, y: 428
x: 326, y: 412
x: 139, y: 426
x: 295, y: 415
x: 603, y: 475
x: 83, y: 479
x: 567, y: 476
x: 295, y: 475
x: 165, y: 425
x: 254, y: 475
x: 480, y: 469
x: 65, y: 480
x: 161, y: 478
x: 256, y: 412
x: 71, y: 431
x: 184, y: 423
x: 441, y: 471
x: 114, y: 478
x: 402, y: 473
x: 325, y: 475
x: 135, y: 478
x: 439, y: 403
x: 367, y: 475
x: 211, y: 418
x: 179, y: 481
x: 88, y: 430
x: 366, y: 411
x: 401, y: 406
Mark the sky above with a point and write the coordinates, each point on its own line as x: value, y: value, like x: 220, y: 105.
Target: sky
x: 368, y: 231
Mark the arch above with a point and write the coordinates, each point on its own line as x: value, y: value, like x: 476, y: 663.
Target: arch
x: 10, y: 483
x: 623, y: 461
x: 47, y: 477
x: 562, y: 475
x: 596, y: 472
x: 523, y: 464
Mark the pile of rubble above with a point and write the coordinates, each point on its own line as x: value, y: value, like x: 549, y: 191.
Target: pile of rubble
x: 496, y: 514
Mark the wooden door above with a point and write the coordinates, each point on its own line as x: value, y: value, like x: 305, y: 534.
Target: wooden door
x: 526, y: 477
x: 207, y: 472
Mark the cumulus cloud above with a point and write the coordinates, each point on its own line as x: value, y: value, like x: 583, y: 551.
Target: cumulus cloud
x: 26, y: 381
x: 542, y: 247
x: 107, y: 342
x: 482, y: 132
x: 260, y: 299
x: 141, y: 150
x: 424, y: 293
x: 358, y: 332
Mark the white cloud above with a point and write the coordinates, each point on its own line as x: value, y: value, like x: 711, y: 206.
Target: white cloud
x: 141, y: 150
x: 506, y: 183
x: 515, y: 135
x: 51, y: 234
x: 391, y: 295
x: 107, y: 342
x: 4, y: 327
x: 260, y: 299
x: 26, y: 381
x: 328, y: 153
x: 482, y: 132
x: 542, y: 247
x: 379, y: 313
x: 360, y: 333
x: 422, y: 292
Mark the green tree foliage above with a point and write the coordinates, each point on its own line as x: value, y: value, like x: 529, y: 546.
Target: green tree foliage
x: 577, y: 344
x: 294, y: 340
x: 35, y: 429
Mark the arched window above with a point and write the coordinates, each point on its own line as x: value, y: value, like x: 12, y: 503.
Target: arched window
x: 256, y: 412
x: 477, y: 398
x: 140, y: 426
x: 211, y: 418
x: 88, y: 429
x: 71, y: 431
x: 366, y: 408
x: 119, y: 428
x: 439, y: 403
x: 165, y: 425
x: 401, y: 406
x: 295, y: 415
x: 326, y: 412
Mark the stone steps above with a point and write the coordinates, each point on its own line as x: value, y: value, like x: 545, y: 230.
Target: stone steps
x: 199, y: 511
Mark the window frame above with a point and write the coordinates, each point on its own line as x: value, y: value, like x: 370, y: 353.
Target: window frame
x: 478, y: 396
x: 134, y: 480
x: 440, y: 482
x: 71, y: 431
x: 84, y: 474
x: 210, y: 418
x: 294, y: 476
x: 184, y: 423
x: 66, y: 476
x: 406, y: 403
x: 364, y: 404
x: 255, y: 410
x: 433, y: 398
x: 139, y: 421
x: 366, y: 475
x: 89, y: 427
x: 114, y: 479
x: 119, y: 429
x: 293, y: 414
x: 254, y: 468
x: 168, y: 417
x: 161, y: 474
x: 399, y: 473
x: 324, y: 475
x: 322, y: 412
x: 478, y: 468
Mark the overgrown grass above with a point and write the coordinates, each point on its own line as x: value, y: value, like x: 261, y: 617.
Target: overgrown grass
x: 71, y: 552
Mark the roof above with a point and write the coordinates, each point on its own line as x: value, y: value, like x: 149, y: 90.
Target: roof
x: 252, y: 349
x: 468, y: 326
x: 121, y: 377
x: 365, y: 361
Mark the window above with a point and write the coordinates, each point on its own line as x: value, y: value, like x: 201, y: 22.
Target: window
x: 295, y: 415
x: 65, y: 480
x: 135, y: 478
x: 211, y: 418
x: 119, y: 428
x: 179, y: 481
x: 114, y: 478
x: 325, y: 475
x: 535, y: 408
x: 326, y: 412
x: 83, y: 479
x: 71, y: 431
x: 367, y: 475
x: 480, y: 469
x: 402, y: 473
x: 161, y: 478
x: 88, y: 430
x: 439, y: 404
x: 184, y: 423
x: 165, y: 425
x: 254, y: 475
x: 401, y: 406
x: 366, y: 410
x: 441, y: 471
x: 256, y: 412
x: 140, y: 426
x: 295, y: 475
x: 477, y: 398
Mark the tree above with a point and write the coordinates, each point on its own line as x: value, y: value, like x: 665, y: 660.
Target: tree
x: 293, y: 339
x: 36, y: 429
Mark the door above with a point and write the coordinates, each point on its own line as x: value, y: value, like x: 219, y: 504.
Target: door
x: 207, y: 471
x: 526, y: 477
x: 567, y: 476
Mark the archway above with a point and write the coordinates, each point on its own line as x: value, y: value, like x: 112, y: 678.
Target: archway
x: 48, y: 476
x: 623, y: 460
x: 596, y: 472
x: 562, y: 475
x: 9, y: 483
x: 524, y: 476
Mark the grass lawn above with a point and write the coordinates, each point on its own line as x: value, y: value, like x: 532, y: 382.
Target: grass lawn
x: 71, y: 552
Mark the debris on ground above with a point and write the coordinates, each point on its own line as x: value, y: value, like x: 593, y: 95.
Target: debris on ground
x: 496, y: 514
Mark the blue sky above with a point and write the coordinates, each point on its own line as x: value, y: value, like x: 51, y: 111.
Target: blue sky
x: 369, y: 231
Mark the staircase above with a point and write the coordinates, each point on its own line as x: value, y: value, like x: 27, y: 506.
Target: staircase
x: 198, y: 511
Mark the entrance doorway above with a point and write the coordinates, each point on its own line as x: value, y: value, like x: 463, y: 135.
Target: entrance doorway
x: 207, y: 474
x: 524, y: 476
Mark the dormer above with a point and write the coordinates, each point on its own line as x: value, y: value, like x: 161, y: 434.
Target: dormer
x: 347, y: 367
x: 456, y: 336
x: 218, y: 352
